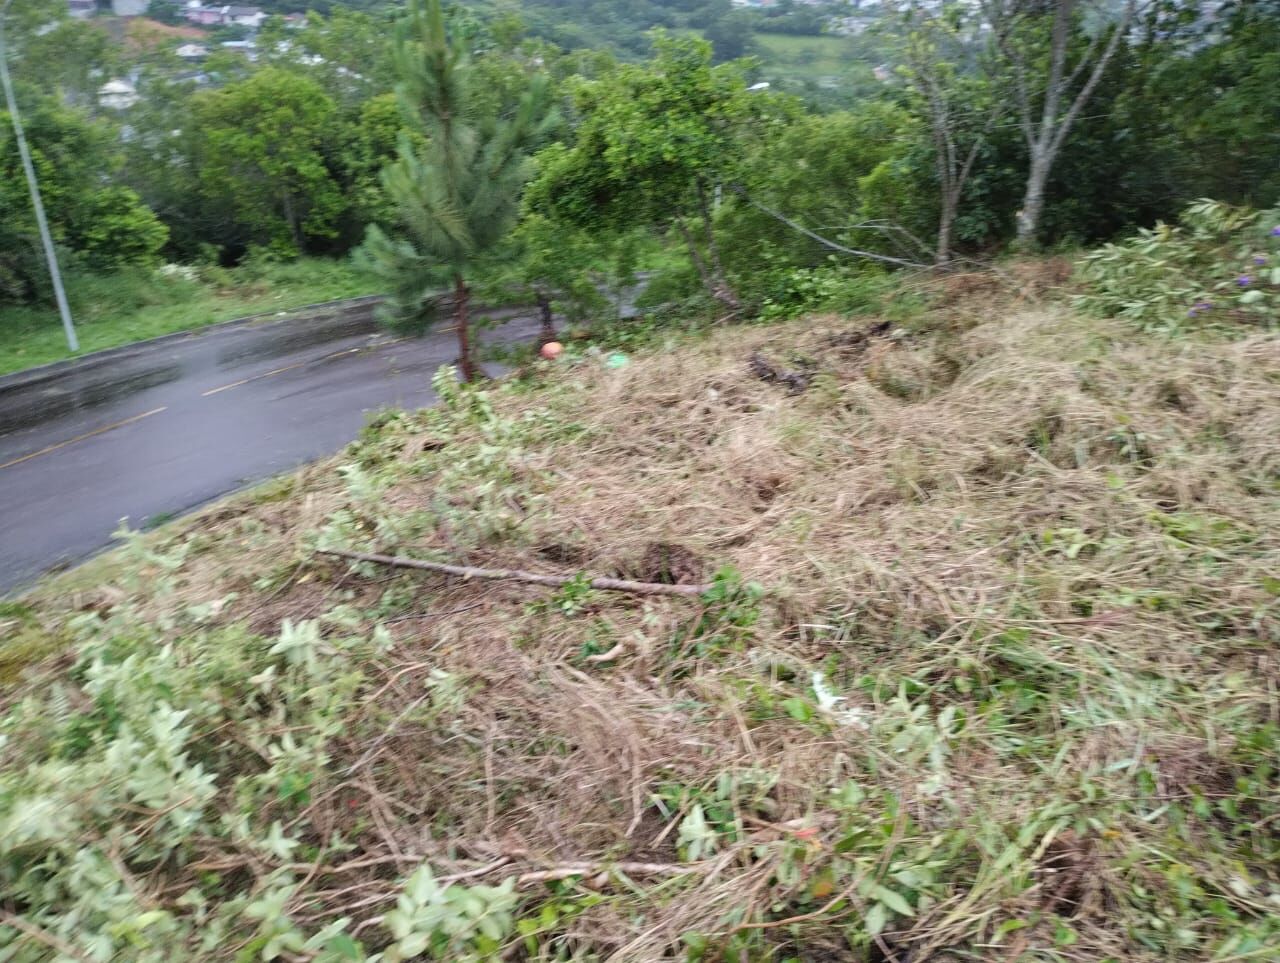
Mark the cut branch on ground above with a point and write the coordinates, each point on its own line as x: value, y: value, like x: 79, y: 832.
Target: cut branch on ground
x: 515, y: 575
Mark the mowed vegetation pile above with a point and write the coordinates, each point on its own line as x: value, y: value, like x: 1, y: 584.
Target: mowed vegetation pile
x: 987, y: 667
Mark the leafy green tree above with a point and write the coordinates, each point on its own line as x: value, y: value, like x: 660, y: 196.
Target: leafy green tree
x: 958, y: 106
x: 372, y: 144
x: 348, y: 52
x: 731, y: 36
x: 55, y: 54
x: 110, y: 227
x: 1217, y: 84
x: 265, y: 144
x: 457, y: 197
x: 71, y: 59
x: 104, y: 224
x: 168, y: 12
x: 556, y: 266
x: 816, y: 173
x: 655, y: 142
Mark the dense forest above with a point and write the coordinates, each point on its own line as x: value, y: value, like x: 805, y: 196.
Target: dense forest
x: 1038, y: 125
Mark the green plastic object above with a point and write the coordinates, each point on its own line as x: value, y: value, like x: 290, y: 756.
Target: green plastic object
x: 617, y: 360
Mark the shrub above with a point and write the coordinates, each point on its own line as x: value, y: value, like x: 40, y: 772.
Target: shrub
x: 1218, y: 263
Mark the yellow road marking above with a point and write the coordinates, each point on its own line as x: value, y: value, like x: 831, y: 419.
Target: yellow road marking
x: 88, y: 434
x: 275, y: 371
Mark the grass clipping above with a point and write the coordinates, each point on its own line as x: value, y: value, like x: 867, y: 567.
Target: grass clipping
x: 988, y: 670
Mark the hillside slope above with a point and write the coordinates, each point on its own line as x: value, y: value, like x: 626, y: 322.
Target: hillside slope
x: 987, y: 671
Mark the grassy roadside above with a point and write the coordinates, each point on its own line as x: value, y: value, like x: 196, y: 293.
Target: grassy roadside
x: 121, y: 309
x: 987, y: 670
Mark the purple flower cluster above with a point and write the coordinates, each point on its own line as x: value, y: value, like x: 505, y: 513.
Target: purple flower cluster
x: 1242, y: 280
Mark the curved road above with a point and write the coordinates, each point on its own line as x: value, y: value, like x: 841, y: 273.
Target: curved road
x: 159, y: 428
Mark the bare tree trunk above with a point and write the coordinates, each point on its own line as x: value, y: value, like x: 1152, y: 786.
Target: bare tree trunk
x: 724, y: 293
x: 942, y: 255
x: 1033, y: 201
x: 548, y: 332
x: 292, y: 219
x: 1046, y: 133
x: 462, y: 325
x: 934, y: 80
x: 714, y: 286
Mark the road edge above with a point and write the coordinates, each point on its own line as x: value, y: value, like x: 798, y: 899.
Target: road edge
x: 40, y: 374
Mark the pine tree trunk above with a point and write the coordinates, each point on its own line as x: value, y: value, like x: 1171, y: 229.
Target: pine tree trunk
x: 462, y: 325
x: 548, y: 332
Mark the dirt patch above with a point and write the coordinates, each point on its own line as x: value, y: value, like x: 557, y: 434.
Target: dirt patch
x: 668, y: 564
x: 1069, y: 875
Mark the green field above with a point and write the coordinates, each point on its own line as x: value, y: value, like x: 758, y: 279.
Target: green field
x: 842, y: 64
x: 810, y: 56
x: 839, y: 67
x: 133, y: 306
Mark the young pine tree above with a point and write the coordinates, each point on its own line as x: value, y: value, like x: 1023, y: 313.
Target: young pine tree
x: 456, y: 194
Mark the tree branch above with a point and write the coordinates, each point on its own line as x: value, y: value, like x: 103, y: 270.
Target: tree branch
x: 41, y: 935
x: 825, y: 242
x: 515, y: 575
x: 1098, y: 69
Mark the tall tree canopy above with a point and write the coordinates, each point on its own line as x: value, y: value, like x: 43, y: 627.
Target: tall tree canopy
x: 103, y: 224
x: 656, y: 141
x: 266, y: 145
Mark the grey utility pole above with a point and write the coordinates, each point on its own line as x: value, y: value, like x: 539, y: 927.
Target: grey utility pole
x: 49, y: 254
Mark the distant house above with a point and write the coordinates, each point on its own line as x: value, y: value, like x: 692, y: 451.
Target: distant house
x: 223, y: 16
x: 849, y: 26
x: 117, y: 94
x: 81, y: 9
x: 204, y: 16
x: 246, y: 47
x: 192, y: 51
x: 129, y: 8
x: 244, y: 16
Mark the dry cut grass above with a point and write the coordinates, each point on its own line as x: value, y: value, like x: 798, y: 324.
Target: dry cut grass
x: 1008, y: 690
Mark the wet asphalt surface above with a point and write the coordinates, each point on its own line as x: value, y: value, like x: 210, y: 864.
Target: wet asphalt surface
x: 156, y: 430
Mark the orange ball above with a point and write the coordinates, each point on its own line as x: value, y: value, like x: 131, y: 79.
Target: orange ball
x: 552, y: 349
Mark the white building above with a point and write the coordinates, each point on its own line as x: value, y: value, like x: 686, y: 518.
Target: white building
x: 215, y: 16
x: 117, y: 94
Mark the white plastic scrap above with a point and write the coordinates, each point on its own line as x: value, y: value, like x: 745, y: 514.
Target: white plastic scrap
x: 829, y: 705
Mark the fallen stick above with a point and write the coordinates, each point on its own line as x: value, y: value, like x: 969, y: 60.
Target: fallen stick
x: 569, y: 870
x: 609, y: 656
x: 514, y: 575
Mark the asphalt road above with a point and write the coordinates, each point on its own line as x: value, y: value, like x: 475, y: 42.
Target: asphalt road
x: 164, y: 427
